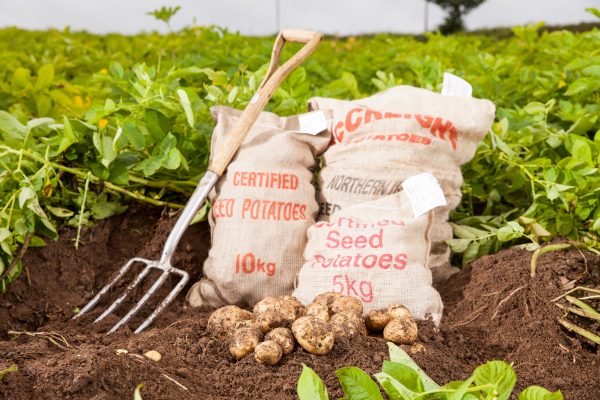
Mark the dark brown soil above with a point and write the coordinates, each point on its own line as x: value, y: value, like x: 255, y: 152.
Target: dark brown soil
x: 493, y: 311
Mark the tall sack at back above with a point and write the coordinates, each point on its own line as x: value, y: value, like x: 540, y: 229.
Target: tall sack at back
x: 261, y: 209
x: 383, y: 139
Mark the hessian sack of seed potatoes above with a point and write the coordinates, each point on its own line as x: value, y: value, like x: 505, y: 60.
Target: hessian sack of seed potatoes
x: 381, y: 140
x: 376, y: 251
x: 261, y: 208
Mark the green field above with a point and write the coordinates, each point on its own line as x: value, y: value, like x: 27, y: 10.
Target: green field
x: 92, y: 123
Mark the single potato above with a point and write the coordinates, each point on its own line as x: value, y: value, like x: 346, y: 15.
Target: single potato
x: 269, y: 320
x: 299, y: 308
x: 401, y: 331
x: 399, y: 311
x: 223, y: 320
x: 376, y: 320
x: 347, y: 324
x: 283, y: 337
x: 347, y: 303
x: 271, y: 303
x: 326, y: 298
x: 245, y: 323
x: 318, y: 310
x: 268, y: 353
x: 244, y: 341
x: 314, y: 335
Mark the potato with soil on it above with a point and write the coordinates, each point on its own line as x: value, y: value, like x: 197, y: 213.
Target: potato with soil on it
x: 277, y: 304
x: 399, y: 311
x: 283, y: 337
x: 347, y: 303
x: 269, y: 320
x: 223, y: 320
x: 314, y: 335
x: 347, y: 324
x: 245, y: 323
x: 318, y: 310
x: 268, y: 352
x: 376, y: 320
x: 299, y: 308
x: 401, y: 331
x: 244, y: 341
x: 326, y: 299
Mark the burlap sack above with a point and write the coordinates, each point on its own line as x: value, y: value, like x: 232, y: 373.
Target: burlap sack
x: 261, y: 210
x: 383, y: 139
x: 375, y: 251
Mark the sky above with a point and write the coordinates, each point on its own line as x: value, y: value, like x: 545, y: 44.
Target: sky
x: 258, y: 17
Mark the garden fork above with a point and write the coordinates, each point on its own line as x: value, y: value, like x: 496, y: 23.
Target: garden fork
x: 217, y: 165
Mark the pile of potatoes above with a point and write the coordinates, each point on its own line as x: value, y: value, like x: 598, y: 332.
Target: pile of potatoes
x: 274, y: 326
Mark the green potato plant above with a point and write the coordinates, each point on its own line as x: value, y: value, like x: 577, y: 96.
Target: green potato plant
x: 91, y: 123
x: 402, y: 379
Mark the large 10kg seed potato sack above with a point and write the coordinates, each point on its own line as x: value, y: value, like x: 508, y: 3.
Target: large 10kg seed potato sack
x: 261, y: 208
x: 383, y: 139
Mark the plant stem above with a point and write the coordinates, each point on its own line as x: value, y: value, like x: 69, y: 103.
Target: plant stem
x: 542, y: 250
x: 583, y: 332
x: 583, y: 306
x: 80, y: 221
x: 94, y: 179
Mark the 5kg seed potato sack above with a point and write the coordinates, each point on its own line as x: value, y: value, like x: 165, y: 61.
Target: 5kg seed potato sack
x: 383, y: 139
x: 376, y: 252
x: 261, y: 209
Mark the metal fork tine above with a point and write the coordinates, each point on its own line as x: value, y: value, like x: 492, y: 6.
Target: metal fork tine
x: 119, y: 300
x: 184, y: 280
x: 141, y: 302
x: 92, y: 303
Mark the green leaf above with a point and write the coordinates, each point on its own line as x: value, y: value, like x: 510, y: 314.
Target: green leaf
x: 458, y: 245
x: 539, y: 393
x: 68, y: 136
x: 461, y: 390
x: 357, y: 385
x: 22, y: 78
x: 4, y: 234
x: 404, y: 374
x: 11, y: 127
x: 593, y: 11
x: 498, y: 374
x: 400, y: 356
x: 582, y: 85
x: 187, y: 107
x: 45, y: 77
x: 25, y: 194
x: 310, y: 386
x: 116, y: 69
x: 134, y: 135
x: 60, y: 212
x: 104, y: 145
x: 119, y: 174
x: 149, y: 166
x: 393, y: 388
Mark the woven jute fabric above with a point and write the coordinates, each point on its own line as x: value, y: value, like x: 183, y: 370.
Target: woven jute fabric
x: 403, y: 131
x: 261, y: 210
x: 375, y: 251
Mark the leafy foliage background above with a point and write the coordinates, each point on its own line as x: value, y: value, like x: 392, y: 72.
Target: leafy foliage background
x: 91, y: 123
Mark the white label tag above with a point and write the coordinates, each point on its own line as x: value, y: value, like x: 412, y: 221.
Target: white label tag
x: 424, y: 193
x: 254, y: 98
x: 312, y: 123
x: 455, y: 86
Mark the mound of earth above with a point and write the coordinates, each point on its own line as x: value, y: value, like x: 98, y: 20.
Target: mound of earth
x: 493, y: 310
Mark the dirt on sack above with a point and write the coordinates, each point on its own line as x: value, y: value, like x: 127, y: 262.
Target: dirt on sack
x: 493, y: 310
